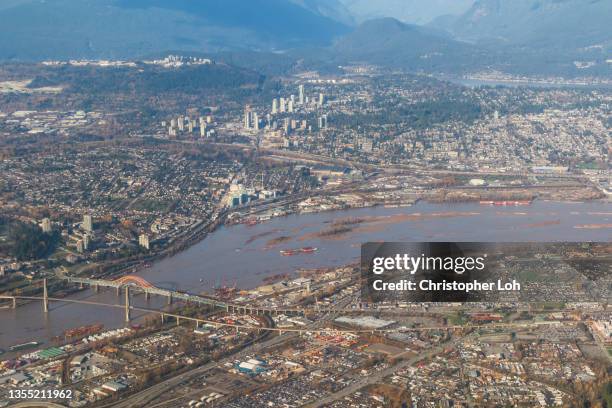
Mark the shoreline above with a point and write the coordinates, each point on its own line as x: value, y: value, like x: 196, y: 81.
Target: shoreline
x: 333, y: 253
x: 206, y: 230
x: 247, y: 219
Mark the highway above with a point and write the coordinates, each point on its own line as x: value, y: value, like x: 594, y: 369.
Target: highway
x: 373, y: 378
x: 145, y: 398
x: 327, y: 312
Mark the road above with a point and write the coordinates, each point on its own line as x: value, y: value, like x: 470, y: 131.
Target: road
x: 328, y: 313
x: 374, y: 378
x: 293, y: 156
x: 146, y: 397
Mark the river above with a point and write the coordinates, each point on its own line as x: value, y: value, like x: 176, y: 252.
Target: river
x: 526, y: 83
x: 244, y: 255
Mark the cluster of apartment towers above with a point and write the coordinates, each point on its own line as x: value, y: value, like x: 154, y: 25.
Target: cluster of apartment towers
x: 285, y: 105
x: 181, y: 124
x: 84, y: 236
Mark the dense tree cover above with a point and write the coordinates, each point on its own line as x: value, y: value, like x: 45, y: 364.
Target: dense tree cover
x: 142, y: 94
x: 4, y: 244
x: 421, y: 115
x: 29, y: 242
x: 149, y: 80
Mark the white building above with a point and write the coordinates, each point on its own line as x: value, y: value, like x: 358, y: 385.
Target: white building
x: 46, y: 225
x: 87, y: 223
x: 143, y: 241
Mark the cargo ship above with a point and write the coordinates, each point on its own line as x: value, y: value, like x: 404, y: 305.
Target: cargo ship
x: 291, y: 252
x: 506, y: 203
x: 83, y: 331
x: 24, y: 346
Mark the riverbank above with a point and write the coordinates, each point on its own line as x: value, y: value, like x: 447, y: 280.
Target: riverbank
x: 236, y: 255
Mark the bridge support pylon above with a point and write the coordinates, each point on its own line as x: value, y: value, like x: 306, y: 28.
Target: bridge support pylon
x: 14, y: 302
x: 45, y: 297
x: 169, y: 298
x: 127, y: 304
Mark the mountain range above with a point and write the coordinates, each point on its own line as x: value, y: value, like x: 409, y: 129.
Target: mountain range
x: 535, y: 24
x: 389, y: 42
x: 41, y: 29
x: 464, y: 33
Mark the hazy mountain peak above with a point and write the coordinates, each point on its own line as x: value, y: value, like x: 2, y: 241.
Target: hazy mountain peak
x: 389, y: 42
x: 385, y: 24
x: 536, y: 22
x: 408, y: 11
x: 332, y: 9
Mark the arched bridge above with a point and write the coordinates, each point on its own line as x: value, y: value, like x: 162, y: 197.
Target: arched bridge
x: 134, y: 281
x: 138, y: 283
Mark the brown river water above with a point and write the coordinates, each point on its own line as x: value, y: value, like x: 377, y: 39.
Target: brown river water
x: 245, y: 255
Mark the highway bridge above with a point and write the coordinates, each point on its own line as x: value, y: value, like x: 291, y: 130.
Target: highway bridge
x: 323, y: 331
x: 139, y: 284
x: 131, y: 283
